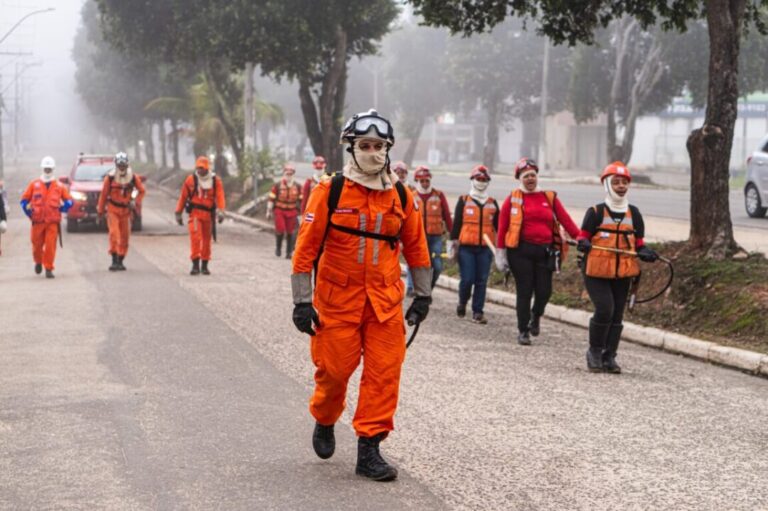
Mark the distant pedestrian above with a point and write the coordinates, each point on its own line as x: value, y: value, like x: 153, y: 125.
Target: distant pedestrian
x: 44, y: 200
x: 612, y: 240
x: 284, y: 203
x: 319, y: 174
x: 436, y: 215
x: 530, y: 244
x: 475, y: 223
x: 3, y: 218
x: 202, y: 194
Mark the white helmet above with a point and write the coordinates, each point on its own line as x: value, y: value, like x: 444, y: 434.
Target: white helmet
x: 48, y: 163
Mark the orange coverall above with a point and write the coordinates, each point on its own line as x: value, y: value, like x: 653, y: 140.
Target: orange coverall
x: 46, y: 218
x: 118, y: 198
x: 200, y: 221
x: 358, y: 296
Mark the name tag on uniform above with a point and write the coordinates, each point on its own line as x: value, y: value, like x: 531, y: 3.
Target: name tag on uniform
x: 471, y: 211
x: 513, y: 211
x: 345, y: 211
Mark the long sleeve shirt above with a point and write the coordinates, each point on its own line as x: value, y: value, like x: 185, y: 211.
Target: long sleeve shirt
x: 538, y: 218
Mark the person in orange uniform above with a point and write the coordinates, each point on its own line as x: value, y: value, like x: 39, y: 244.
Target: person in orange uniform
x: 352, y: 229
x: 614, y: 224
x: 201, y: 195
x: 44, y: 200
x: 284, y: 203
x: 117, y: 198
x: 436, y: 217
x: 475, y: 222
x: 401, y: 169
x: 319, y: 174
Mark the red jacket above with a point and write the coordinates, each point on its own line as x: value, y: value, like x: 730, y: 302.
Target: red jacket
x: 537, y: 220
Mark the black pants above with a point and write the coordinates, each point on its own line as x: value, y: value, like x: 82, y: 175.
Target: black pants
x: 528, y: 263
x: 610, y: 298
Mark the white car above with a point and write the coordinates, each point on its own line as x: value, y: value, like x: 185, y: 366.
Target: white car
x: 756, y: 186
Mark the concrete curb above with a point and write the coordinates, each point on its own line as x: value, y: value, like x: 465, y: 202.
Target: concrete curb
x: 736, y: 358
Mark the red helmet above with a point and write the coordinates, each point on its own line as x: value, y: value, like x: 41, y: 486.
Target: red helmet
x: 524, y: 164
x: 318, y: 162
x: 480, y: 172
x: 400, y: 165
x: 616, y: 168
x: 422, y: 172
x: 289, y: 169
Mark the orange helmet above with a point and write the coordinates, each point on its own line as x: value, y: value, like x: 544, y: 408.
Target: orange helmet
x: 289, y: 169
x: 524, y: 164
x: 422, y: 172
x: 318, y: 162
x: 616, y: 168
x: 480, y: 172
x: 202, y: 163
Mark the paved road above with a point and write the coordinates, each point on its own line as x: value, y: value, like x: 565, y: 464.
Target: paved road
x: 151, y: 389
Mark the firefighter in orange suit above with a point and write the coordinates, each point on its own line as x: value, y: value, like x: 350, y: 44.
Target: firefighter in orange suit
x: 320, y: 173
x: 352, y: 228
x: 44, y: 200
x: 436, y: 217
x: 121, y: 191
x: 284, y: 203
x: 615, y: 225
x: 202, y: 194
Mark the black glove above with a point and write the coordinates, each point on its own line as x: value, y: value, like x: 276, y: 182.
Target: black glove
x: 418, y: 310
x: 584, y: 245
x: 179, y: 219
x: 220, y: 218
x: 647, y: 255
x: 303, y: 317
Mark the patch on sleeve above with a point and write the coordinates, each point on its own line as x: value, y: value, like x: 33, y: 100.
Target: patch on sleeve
x: 309, y: 218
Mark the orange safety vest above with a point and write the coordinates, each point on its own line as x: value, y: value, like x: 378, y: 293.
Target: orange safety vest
x: 433, y: 213
x: 512, y: 238
x: 45, y: 202
x: 477, y: 221
x: 287, y: 197
x: 612, y: 234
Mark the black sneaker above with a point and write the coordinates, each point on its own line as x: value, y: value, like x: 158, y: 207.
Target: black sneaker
x: 533, y: 326
x: 477, y: 317
x: 324, y: 441
x: 370, y: 464
x: 38, y: 268
x: 524, y: 339
x: 461, y: 310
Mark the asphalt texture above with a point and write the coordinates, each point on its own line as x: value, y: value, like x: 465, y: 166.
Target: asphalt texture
x: 153, y: 389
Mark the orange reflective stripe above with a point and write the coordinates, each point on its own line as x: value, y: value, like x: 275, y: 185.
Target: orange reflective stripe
x: 512, y: 238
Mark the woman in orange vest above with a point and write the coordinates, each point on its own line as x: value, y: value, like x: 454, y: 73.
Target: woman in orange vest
x: 475, y: 222
x: 201, y: 195
x: 117, y: 199
x: 529, y: 241
x: 351, y: 236
x: 612, y: 240
x: 436, y: 215
x: 44, y: 200
x: 284, y: 203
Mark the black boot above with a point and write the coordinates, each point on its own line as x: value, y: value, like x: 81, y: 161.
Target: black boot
x: 524, y: 338
x: 597, y: 338
x: 290, y: 239
x: 114, y: 266
x: 38, y: 268
x: 324, y: 441
x: 370, y: 464
x: 461, y: 310
x: 120, y: 265
x: 279, y: 247
x: 533, y: 326
x: 195, y: 267
x: 49, y: 274
x: 204, y: 268
x: 611, y: 346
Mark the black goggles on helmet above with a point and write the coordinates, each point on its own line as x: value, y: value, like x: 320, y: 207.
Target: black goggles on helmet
x: 360, y: 126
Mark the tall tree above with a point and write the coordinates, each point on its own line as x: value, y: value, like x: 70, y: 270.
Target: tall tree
x: 709, y: 147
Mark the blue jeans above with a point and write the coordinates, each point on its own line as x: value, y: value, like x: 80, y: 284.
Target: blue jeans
x: 435, y: 244
x: 474, y: 268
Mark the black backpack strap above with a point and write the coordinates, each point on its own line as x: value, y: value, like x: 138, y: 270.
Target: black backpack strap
x: 403, y: 195
x: 337, y: 185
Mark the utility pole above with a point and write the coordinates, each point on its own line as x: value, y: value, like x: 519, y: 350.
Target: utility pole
x: 543, y: 121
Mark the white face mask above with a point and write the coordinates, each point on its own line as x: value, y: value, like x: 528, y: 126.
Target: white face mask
x: 480, y: 186
x: 371, y: 162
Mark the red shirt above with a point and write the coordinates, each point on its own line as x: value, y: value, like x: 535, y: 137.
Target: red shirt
x: 537, y: 220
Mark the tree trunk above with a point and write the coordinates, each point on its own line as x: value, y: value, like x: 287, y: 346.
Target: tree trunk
x: 322, y: 121
x: 175, y: 144
x: 709, y: 147
x: 222, y: 112
x: 149, y: 146
x: 414, y: 134
x: 624, y: 29
x: 491, y: 148
x: 163, y: 144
